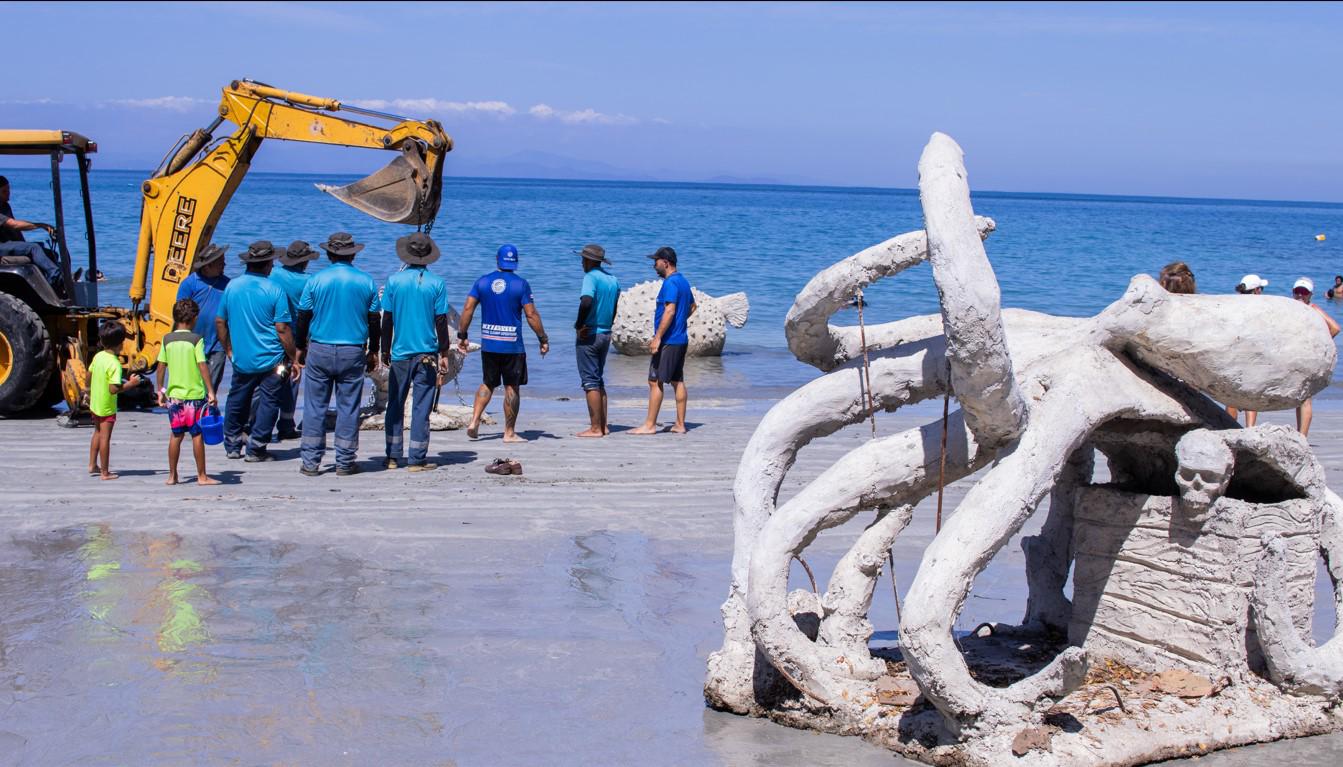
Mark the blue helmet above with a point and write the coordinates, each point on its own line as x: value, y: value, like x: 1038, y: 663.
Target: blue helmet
x: 507, y: 258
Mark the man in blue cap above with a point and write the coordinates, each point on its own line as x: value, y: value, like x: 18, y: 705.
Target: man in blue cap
x: 503, y: 297
x: 253, y: 328
x: 205, y: 285
x: 338, y: 329
x: 415, y: 343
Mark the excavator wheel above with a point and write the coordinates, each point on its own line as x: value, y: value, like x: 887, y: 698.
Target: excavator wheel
x: 26, y: 361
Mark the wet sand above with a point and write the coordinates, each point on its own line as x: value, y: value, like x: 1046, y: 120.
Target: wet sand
x: 449, y: 617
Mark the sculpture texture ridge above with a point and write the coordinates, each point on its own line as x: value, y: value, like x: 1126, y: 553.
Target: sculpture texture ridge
x: 1192, y: 566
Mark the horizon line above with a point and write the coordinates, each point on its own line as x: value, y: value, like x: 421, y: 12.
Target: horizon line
x: 784, y: 185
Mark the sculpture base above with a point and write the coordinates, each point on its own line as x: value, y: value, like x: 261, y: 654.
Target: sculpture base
x: 1163, y: 716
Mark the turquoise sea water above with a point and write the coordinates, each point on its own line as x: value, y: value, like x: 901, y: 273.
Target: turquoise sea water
x: 1063, y: 254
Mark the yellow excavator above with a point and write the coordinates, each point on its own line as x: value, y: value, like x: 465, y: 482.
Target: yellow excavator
x: 49, y: 332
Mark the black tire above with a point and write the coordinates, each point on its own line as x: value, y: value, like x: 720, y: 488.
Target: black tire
x: 31, y: 360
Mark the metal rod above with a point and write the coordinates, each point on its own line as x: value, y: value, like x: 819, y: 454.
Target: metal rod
x: 942, y: 467
x: 810, y: 576
x: 88, y: 219
x: 64, y: 253
x: 867, y: 371
x: 890, y: 557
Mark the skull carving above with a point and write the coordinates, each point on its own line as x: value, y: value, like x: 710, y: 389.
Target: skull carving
x: 1204, y: 471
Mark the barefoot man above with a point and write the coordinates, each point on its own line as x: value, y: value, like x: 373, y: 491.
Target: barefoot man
x: 503, y: 298
x: 1301, y: 291
x: 675, y: 304
x: 596, y: 312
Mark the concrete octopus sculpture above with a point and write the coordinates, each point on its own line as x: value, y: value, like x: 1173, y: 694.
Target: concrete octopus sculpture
x: 1180, y: 563
x: 633, y: 326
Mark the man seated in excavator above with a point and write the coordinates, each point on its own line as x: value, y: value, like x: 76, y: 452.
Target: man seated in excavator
x: 12, y: 242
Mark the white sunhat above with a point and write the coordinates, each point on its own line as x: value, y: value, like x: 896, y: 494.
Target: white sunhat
x: 1254, y: 281
x: 1304, y: 282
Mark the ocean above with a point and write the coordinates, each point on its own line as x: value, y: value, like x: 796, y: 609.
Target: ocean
x: 1058, y: 253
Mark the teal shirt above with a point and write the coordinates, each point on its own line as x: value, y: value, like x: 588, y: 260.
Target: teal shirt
x: 340, y: 298
x: 414, y: 296
x: 250, y: 307
x: 604, y: 289
x: 292, y: 283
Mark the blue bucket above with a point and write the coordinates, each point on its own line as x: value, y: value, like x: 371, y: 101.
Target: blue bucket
x: 212, y: 426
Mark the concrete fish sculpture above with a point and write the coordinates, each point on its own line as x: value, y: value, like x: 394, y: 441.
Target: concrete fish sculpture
x: 633, y: 326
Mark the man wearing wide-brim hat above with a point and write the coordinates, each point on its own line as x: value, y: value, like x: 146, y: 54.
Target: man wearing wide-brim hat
x: 292, y: 277
x: 338, y: 334
x: 205, y: 285
x: 415, y: 345
x: 253, y: 326
x: 597, y: 303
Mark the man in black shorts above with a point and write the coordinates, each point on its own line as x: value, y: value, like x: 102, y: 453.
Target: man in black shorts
x: 675, y: 304
x: 503, y: 298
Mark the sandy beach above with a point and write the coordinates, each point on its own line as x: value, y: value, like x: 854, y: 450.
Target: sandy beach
x: 451, y: 617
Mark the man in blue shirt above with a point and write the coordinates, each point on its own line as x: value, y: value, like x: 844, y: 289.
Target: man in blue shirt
x: 503, y: 297
x: 596, y: 311
x: 205, y: 285
x: 253, y: 327
x: 675, y: 304
x: 415, y: 344
x: 338, y: 333
x: 291, y: 277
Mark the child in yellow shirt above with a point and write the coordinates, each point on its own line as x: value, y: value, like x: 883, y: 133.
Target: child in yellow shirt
x: 190, y: 391
x: 104, y: 386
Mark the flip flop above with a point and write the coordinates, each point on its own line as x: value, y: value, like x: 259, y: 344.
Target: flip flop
x: 499, y: 466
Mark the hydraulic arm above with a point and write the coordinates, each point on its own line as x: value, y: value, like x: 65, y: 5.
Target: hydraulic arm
x: 187, y: 194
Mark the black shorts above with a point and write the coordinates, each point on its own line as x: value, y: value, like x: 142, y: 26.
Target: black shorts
x: 668, y: 364
x: 509, y: 369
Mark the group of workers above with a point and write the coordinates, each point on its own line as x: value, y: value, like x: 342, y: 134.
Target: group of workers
x: 282, y: 328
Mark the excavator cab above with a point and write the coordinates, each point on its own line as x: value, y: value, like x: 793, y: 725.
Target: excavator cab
x: 36, y: 318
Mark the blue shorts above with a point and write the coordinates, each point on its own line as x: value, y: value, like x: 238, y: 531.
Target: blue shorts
x: 591, y: 352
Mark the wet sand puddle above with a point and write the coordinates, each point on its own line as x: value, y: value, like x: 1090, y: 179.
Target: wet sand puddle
x: 136, y: 648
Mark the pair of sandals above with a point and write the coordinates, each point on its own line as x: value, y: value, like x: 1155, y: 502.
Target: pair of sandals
x: 504, y: 467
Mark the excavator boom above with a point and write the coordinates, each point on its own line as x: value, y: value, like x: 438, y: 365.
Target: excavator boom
x: 184, y: 199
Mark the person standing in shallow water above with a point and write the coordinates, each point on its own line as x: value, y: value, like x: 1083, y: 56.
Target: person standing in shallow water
x: 415, y: 344
x: 596, y: 311
x: 503, y: 297
x: 1249, y: 285
x: 675, y: 304
x: 1302, y: 291
x: 1176, y: 277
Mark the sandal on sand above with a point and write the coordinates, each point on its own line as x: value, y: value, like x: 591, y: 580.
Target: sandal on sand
x: 499, y: 466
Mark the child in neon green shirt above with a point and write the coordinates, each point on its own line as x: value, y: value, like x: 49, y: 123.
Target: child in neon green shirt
x: 190, y: 391
x: 104, y: 386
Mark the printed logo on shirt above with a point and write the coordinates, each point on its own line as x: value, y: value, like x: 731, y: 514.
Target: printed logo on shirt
x: 506, y: 333
x: 498, y: 286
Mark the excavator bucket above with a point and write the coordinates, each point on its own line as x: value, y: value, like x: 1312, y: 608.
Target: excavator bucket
x: 404, y: 192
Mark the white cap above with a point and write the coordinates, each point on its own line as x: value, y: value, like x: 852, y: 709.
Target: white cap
x: 1254, y: 281
x: 1304, y: 282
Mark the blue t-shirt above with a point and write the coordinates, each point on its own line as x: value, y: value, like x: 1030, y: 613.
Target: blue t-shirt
x: 675, y: 290
x: 501, y: 295
x: 207, y: 293
x: 414, y: 296
x: 292, y: 283
x: 604, y: 289
x: 340, y: 298
x: 252, y: 305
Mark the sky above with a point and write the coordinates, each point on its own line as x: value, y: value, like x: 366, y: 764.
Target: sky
x: 1196, y: 100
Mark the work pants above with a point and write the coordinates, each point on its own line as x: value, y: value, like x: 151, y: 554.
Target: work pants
x: 421, y: 372
x: 288, y: 398
x: 38, y: 255
x: 238, y: 413
x: 332, y: 369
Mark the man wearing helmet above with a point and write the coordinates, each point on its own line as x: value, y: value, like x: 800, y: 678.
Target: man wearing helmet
x: 503, y: 297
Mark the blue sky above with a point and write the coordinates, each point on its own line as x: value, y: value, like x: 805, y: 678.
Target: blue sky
x: 1237, y: 100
